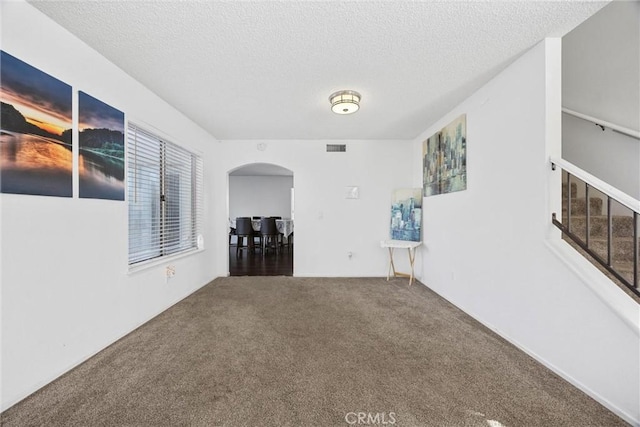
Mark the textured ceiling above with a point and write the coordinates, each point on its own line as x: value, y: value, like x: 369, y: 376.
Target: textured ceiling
x: 265, y: 69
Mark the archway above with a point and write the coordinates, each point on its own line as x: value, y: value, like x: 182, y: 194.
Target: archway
x: 261, y: 190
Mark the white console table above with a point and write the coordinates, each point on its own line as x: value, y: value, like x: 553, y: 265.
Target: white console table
x: 400, y: 244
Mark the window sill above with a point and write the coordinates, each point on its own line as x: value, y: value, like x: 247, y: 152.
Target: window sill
x: 147, y: 265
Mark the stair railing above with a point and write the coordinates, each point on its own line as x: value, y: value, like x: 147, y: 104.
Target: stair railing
x: 603, y: 123
x: 612, y: 194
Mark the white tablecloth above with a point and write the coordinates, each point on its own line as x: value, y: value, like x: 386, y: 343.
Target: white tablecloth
x: 285, y: 226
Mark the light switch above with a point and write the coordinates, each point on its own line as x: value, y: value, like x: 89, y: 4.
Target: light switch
x: 352, y: 193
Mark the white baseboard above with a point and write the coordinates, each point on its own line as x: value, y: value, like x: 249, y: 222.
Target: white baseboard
x: 37, y: 386
x: 564, y: 375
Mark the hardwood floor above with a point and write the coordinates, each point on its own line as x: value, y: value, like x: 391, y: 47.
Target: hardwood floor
x: 271, y: 264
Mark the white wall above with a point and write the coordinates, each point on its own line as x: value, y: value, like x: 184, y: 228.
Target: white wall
x: 601, y: 65
x: 260, y: 196
x: 608, y: 155
x: 492, y: 250
x: 601, y: 78
x: 66, y: 291
x: 327, y: 225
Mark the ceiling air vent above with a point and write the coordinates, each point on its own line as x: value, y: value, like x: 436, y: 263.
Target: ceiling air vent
x: 336, y: 148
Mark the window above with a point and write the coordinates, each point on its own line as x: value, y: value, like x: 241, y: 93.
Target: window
x: 164, y: 194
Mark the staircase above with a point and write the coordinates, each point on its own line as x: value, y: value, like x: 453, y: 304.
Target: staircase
x: 622, y: 240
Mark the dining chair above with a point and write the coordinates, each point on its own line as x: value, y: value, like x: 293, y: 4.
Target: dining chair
x: 270, y: 235
x: 257, y: 237
x: 280, y: 235
x: 289, y: 242
x: 244, y: 229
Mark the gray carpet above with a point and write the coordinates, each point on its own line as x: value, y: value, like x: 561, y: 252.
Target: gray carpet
x: 283, y: 351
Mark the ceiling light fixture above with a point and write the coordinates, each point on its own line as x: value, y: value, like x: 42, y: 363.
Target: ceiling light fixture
x: 345, y: 101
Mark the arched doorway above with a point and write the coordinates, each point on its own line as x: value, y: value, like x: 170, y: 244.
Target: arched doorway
x: 261, y: 190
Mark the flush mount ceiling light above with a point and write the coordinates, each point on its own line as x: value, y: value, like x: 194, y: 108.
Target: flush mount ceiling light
x: 345, y: 101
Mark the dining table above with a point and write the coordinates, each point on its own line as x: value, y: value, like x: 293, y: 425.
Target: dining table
x: 285, y: 226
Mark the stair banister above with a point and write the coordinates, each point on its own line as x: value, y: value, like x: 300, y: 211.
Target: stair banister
x: 597, y: 183
x: 603, y: 123
x: 611, y: 193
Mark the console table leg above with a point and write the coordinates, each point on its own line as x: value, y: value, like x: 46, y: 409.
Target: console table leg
x: 411, y: 247
x: 412, y: 257
x: 392, y: 267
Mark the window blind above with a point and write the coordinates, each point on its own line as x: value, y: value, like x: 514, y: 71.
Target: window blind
x: 164, y: 196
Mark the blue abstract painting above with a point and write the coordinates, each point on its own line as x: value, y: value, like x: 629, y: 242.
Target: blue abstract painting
x: 406, y: 214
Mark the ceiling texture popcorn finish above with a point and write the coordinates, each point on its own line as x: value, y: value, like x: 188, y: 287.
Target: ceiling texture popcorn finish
x: 263, y: 69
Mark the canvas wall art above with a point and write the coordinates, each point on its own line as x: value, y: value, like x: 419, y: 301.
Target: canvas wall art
x: 35, y: 137
x: 445, y: 159
x: 406, y: 214
x: 101, y: 155
x: 431, y: 162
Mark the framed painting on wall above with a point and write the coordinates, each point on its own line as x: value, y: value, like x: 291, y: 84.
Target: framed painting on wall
x: 36, y: 151
x: 445, y: 159
x: 431, y: 161
x: 101, y: 154
x: 406, y: 214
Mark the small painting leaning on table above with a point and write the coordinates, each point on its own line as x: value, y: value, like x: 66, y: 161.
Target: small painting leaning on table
x: 406, y: 214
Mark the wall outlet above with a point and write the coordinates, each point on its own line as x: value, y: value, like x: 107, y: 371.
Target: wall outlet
x: 171, y: 271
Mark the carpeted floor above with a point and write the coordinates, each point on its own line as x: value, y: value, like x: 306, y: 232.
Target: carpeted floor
x: 284, y: 351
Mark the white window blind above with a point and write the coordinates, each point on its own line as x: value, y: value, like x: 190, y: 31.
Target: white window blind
x: 164, y: 196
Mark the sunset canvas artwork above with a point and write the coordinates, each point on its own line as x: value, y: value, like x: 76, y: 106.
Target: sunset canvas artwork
x: 101, y: 155
x: 35, y: 135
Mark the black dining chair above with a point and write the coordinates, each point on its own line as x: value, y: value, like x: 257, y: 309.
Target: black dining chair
x: 257, y: 237
x: 281, y: 236
x: 244, y: 229
x: 289, y: 242
x: 270, y: 235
